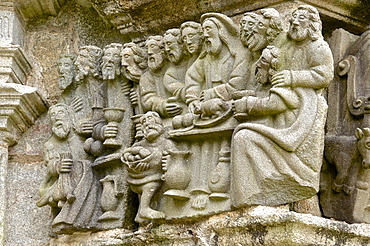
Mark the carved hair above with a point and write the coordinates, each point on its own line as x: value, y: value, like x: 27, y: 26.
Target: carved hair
x: 140, y: 56
x: 275, y: 54
x: 158, y: 39
x: 275, y: 27
x: 315, y: 29
x: 155, y: 115
x: 71, y: 57
x: 113, y: 46
x: 191, y: 24
x: 249, y: 14
x: 95, y: 55
x: 174, y: 32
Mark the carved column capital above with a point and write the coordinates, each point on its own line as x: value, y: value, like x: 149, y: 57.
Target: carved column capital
x: 20, y: 106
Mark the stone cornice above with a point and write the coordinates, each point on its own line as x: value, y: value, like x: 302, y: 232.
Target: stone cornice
x: 135, y: 18
x: 20, y: 107
x: 14, y: 66
x: 31, y: 10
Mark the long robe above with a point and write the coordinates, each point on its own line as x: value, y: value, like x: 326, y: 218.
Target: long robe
x: 277, y: 159
x: 77, y: 214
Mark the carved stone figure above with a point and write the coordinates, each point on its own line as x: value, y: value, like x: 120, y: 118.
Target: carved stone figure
x: 256, y: 32
x: 134, y: 64
x: 66, y: 78
x: 247, y: 24
x: 111, y: 71
x: 91, y: 90
x: 345, y: 180
x: 174, y: 78
x: 144, y: 162
x: 220, y: 69
x: 69, y: 186
x: 154, y: 96
x: 277, y: 159
x: 192, y: 35
x: 261, y: 30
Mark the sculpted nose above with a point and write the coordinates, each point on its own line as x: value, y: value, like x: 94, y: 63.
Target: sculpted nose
x: 295, y: 22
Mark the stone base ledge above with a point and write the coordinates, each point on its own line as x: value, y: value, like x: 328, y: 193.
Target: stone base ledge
x: 258, y: 225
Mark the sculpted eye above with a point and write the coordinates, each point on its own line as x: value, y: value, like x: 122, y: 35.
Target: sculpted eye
x: 367, y: 145
x: 250, y: 23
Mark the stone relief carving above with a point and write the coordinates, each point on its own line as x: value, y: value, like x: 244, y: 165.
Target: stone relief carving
x: 206, y: 118
x: 348, y: 185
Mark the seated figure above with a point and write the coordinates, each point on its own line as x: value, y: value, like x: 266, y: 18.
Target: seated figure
x: 276, y: 158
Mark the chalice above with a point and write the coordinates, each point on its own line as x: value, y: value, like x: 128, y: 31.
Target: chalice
x: 114, y: 116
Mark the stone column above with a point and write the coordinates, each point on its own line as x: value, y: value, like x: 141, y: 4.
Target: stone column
x: 20, y: 105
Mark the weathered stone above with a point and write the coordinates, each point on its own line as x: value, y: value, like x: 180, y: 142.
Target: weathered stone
x: 197, y: 154
x: 253, y: 226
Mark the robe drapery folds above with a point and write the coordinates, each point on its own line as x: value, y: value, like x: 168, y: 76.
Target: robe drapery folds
x: 279, y: 161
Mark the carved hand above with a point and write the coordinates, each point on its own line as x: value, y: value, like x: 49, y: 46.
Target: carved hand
x: 173, y: 109
x: 110, y: 131
x: 77, y: 104
x: 142, y: 166
x: 87, y: 127
x: 207, y: 95
x: 282, y: 79
x: 134, y: 97
x: 66, y: 166
x: 240, y: 106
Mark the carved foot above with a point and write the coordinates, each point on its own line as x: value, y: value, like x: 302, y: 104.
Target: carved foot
x: 200, y: 202
x: 151, y: 214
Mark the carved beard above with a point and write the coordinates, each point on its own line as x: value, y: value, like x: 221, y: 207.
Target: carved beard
x: 256, y: 41
x: 152, y: 132
x: 132, y: 73
x: 175, y: 56
x: 109, y: 71
x: 83, y: 69
x: 61, y: 129
x: 262, y: 76
x: 81, y: 72
x: 298, y: 33
x: 64, y: 80
x: 213, y: 45
x: 155, y: 61
x: 244, y: 36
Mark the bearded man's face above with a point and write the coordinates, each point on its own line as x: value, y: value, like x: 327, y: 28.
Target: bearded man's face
x: 299, y: 25
x: 247, y: 23
x: 257, y: 39
x: 150, y: 127
x: 60, y: 122
x: 173, y: 49
x: 66, y: 72
x: 213, y: 43
x: 131, y: 70
x: 155, y: 55
x: 263, y: 67
x: 111, y: 63
x: 83, y: 65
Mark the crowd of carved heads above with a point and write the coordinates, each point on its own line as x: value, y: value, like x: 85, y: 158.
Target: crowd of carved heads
x: 208, y: 117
